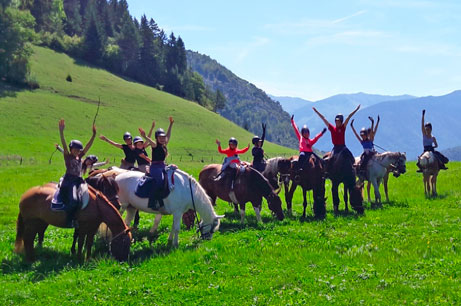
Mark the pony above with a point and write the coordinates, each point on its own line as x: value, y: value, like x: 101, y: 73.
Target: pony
x: 341, y: 170
x: 186, y: 194
x: 430, y: 167
x: 378, y: 169
x: 35, y: 215
x: 310, y: 178
x: 249, y: 186
x: 277, y: 171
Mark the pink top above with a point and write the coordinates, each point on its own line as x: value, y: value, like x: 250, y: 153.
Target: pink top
x: 305, y: 144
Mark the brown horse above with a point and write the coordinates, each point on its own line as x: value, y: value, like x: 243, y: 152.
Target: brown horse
x: 310, y: 178
x: 249, y: 186
x: 341, y: 170
x: 35, y: 214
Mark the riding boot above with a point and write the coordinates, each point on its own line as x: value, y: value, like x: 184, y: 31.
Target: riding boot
x: 442, y: 166
x: 419, y: 167
x: 219, y: 176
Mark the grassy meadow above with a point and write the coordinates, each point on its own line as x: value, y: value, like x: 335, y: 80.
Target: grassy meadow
x: 406, y: 252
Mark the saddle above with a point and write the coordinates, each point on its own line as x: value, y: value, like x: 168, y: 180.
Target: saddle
x: 156, y: 190
x: 80, y: 195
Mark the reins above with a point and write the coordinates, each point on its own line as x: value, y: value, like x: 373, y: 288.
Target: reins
x: 193, y: 205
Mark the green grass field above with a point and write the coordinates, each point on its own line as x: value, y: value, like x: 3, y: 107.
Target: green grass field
x: 407, y: 252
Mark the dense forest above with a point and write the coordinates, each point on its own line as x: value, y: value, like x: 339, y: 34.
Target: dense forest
x: 102, y: 33
x: 247, y: 105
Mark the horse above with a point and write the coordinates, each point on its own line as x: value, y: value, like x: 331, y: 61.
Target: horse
x: 249, y: 186
x: 186, y: 194
x: 430, y: 167
x: 378, y: 168
x: 35, y: 215
x: 310, y: 178
x: 277, y: 171
x: 341, y: 170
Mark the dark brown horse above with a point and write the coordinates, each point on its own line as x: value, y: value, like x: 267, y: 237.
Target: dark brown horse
x: 341, y: 170
x: 35, y: 214
x: 249, y: 186
x: 310, y: 178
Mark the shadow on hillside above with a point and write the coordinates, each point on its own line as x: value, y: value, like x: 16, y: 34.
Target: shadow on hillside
x: 8, y: 90
x: 84, y: 63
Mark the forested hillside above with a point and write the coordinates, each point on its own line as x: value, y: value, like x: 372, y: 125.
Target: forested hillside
x: 246, y: 105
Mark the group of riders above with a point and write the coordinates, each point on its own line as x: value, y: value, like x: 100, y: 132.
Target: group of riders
x: 135, y: 153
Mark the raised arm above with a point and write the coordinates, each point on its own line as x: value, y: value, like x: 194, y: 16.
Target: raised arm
x: 151, y: 129
x: 321, y: 117
x: 350, y: 115
x: 90, y: 143
x: 264, y: 134
x: 355, y: 132
x: 168, y: 133
x: 423, y: 130
x: 147, y: 138
x: 104, y: 138
x: 62, y: 125
x: 244, y: 150
x: 293, y: 124
x: 376, y: 129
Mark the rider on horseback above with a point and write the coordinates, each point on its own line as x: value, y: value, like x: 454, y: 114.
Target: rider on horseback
x: 258, y: 153
x: 337, y: 135
x: 430, y: 143
x: 305, y: 145
x: 367, y: 136
x: 90, y: 162
x: 232, y: 160
x: 73, y: 177
x: 141, y: 155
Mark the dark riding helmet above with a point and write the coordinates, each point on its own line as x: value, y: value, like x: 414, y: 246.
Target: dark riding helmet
x: 75, y: 144
x: 160, y: 133
x: 127, y: 135
x: 92, y: 158
x: 304, y: 129
x: 137, y: 139
x: 255, y: 139
x: 233, y: 141
x: 339, y: 117
x: 428, y: 124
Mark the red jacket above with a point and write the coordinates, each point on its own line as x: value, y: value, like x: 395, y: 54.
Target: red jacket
x: 232, y: 152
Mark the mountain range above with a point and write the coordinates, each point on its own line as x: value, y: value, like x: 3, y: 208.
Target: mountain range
x: 400, y: 126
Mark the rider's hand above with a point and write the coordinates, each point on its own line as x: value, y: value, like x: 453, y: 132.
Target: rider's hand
x: 62, y: 125
x: 102, y: 137
x: 94, y: 129
x: 218, y: 142
x: 142, y: 132
x: 292, y: 116
x: 424, y: 112
x: 171, y: 120
x: 324, y: 130
x: 352, y: 122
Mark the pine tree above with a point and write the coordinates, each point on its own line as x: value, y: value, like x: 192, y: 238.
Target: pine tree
x: 129, y: 45
x: 220, y: 101
x: 73, y: 22
x: 94, y: 40
x: 181, y: 58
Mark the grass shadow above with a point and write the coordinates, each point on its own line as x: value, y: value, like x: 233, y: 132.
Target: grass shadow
x: 8, y: 90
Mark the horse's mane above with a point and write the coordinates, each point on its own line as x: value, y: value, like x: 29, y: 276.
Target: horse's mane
x: 257, y: 178
x: 383, y: 155
x: 272, y: 164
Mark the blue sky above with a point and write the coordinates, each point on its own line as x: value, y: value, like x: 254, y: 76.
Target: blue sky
x: 315, y: 49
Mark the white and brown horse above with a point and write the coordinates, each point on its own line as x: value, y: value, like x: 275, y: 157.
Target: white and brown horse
x: 430, y: 167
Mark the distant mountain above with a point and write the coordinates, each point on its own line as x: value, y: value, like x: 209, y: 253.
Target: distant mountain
x: 400, y: 127
x: 247, y: 105
x: 453, y: 154
x: 290, y: 104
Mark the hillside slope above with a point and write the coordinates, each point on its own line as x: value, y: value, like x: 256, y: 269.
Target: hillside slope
x: 29, y: 119
x: 454, y: 154
x: 247, y: 105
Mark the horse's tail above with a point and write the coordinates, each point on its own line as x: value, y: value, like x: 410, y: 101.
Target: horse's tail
x: 19, y: 243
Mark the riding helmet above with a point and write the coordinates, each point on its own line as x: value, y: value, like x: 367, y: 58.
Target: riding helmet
x: 255, y: 139
x: 304, y: 129
x: 339, y: 117
x: 428, y: 124
x: 137, y: 139
x: 233, y: 141
x: 127, y: 135
x: 93, y: 158
x: 363, y: 131
x: 75, y: 144
x: 160, y: 133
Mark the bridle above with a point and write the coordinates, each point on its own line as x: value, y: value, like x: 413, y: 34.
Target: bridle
x: 200, y: 225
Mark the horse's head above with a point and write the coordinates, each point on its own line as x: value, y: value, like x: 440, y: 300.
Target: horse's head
x: 356, y: 198
x: 207, y: 230
x: 120, y: 245
x: 284, y: 166
x: 400, y: 165
x: 108, y: 186
x: 275, y: 205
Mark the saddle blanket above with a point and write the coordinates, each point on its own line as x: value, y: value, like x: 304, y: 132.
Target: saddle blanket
x: 156, y: 189
x: 80, y: 194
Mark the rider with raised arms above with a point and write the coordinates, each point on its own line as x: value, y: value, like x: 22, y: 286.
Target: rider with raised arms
x: 232, y: 159
x: 73, y: 177
x: 258, y: 153
x: 366, y: 139
x: 430, y: 143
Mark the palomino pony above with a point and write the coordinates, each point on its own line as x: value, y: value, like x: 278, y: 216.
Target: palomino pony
x: 249, y: 186
x: 378, y: 169
x: 430, y: 166
x: 342, y: 171
x: 311, y: 178
x: 35, y: 214
x: 187, y: 194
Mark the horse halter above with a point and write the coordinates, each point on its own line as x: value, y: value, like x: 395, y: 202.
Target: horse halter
x: 200, y: 225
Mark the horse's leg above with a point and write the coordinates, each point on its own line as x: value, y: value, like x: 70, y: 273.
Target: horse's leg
x: 236, y: 208
x: 174, y: 234
x: 374, y: 181
x: 81, y: 240
x: 130, y: 212
x: 427, y: 188
x: 89, y: 244
x: 334, y: 193
x: 41, y: 233
x: 304, y: 203
x: 289, y: 197
x: 385, y: 180
x: 434, y: 185
x: 136, y: 219
x: 157, y: 220
x: 242, y: 213
x: 257, y: 204
x: 29, y: 236
x: 345, y: 197
x: 74, y: 241
x: 368, y: 191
